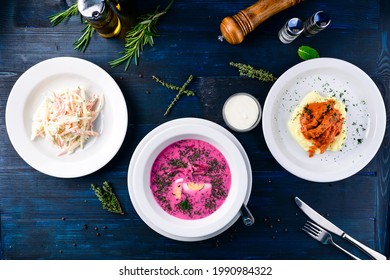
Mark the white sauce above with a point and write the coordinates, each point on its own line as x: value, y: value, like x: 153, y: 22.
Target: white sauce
x: 241, y: 112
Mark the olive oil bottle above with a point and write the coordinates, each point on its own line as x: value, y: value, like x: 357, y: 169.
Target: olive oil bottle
x: 102, y: 16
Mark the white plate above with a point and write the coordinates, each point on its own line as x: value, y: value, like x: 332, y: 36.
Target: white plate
x: 365, y: 120
x: 139, y: 179
x: 58, y: 73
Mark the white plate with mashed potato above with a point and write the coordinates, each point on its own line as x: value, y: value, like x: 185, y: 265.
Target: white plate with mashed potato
x: 51, y: 78
x: 363, y: 121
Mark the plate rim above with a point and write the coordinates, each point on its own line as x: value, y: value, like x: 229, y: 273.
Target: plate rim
x: 294, y: 72
x: 10, y: 117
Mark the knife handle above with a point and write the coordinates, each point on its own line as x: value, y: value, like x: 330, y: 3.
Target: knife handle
x: 373, y: 254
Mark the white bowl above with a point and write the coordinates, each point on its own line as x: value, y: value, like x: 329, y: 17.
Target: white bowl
x: 139, y: 179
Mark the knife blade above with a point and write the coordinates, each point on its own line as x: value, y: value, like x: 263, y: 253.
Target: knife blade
x: 323, y: 222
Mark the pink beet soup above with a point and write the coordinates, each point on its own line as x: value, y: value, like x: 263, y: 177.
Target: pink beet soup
x: 190, y: 179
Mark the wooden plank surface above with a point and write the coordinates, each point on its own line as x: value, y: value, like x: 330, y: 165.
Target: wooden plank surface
x: 43, y: 217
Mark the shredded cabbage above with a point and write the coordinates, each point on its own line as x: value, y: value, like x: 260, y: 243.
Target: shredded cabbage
x: 66, y: 117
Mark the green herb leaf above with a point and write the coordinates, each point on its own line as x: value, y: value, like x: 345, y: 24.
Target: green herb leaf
x: 306, y: 53
x: 139, y: 36
x: 185, y: 205
x: 61, y: 16
x: 108, y: 198
x: 82, y: 43
x: 249, y: 71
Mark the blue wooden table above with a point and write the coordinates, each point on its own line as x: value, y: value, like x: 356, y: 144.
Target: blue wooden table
x: 44, y: 217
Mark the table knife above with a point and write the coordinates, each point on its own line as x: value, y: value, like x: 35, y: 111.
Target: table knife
x: 320, y: 220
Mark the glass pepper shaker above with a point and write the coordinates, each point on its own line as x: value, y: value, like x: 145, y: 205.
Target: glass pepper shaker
x: 317, y: 22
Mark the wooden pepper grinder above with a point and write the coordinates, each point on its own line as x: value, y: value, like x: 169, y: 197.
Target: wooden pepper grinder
x: 236, y: 27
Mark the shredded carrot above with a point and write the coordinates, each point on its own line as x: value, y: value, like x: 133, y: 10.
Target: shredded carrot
x: 66, y: 119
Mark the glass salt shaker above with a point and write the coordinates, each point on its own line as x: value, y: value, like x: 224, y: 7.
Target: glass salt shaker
x: 291, y: 30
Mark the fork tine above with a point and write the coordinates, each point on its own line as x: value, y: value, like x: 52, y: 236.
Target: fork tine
x: 310, y: 231
x: 315, y: 225
x: 312, y: 228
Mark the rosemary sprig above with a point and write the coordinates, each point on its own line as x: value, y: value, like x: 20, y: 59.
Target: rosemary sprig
x: 108, y: 198
x: 82, y: 43
x: 181, y: 90
x: 140, y: 35
x: 249, y: 71
x: 63, y: 15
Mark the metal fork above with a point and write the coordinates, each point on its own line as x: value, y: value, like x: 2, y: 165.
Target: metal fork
x: 321, y: 235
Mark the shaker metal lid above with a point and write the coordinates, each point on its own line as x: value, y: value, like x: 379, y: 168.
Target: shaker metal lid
x: 294, y: 26
x: 321, y: 19
x: 92, y: 9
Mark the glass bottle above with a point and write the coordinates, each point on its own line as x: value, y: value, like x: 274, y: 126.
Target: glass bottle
x: 102, y: 15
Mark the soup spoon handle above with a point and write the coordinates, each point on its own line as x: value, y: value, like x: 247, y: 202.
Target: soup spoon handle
x: 246, y: 216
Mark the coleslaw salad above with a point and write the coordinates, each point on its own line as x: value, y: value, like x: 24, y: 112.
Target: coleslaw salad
x: 66, y: 119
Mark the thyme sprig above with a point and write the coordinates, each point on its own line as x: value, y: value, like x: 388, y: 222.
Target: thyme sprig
x: 139, y: 36
x: 173, y: 87
x: 181, y: 90
x: 249, y: 71
x: 108, y: 198
x: 63, y: 15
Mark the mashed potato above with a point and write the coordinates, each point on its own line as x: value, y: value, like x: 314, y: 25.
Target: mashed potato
x: 327, y: 125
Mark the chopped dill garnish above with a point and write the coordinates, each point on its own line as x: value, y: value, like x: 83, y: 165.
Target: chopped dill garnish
x: 178, y: 163
x: 185, y: 205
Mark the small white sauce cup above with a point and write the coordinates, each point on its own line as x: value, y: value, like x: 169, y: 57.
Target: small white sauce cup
x: 241, y: 112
